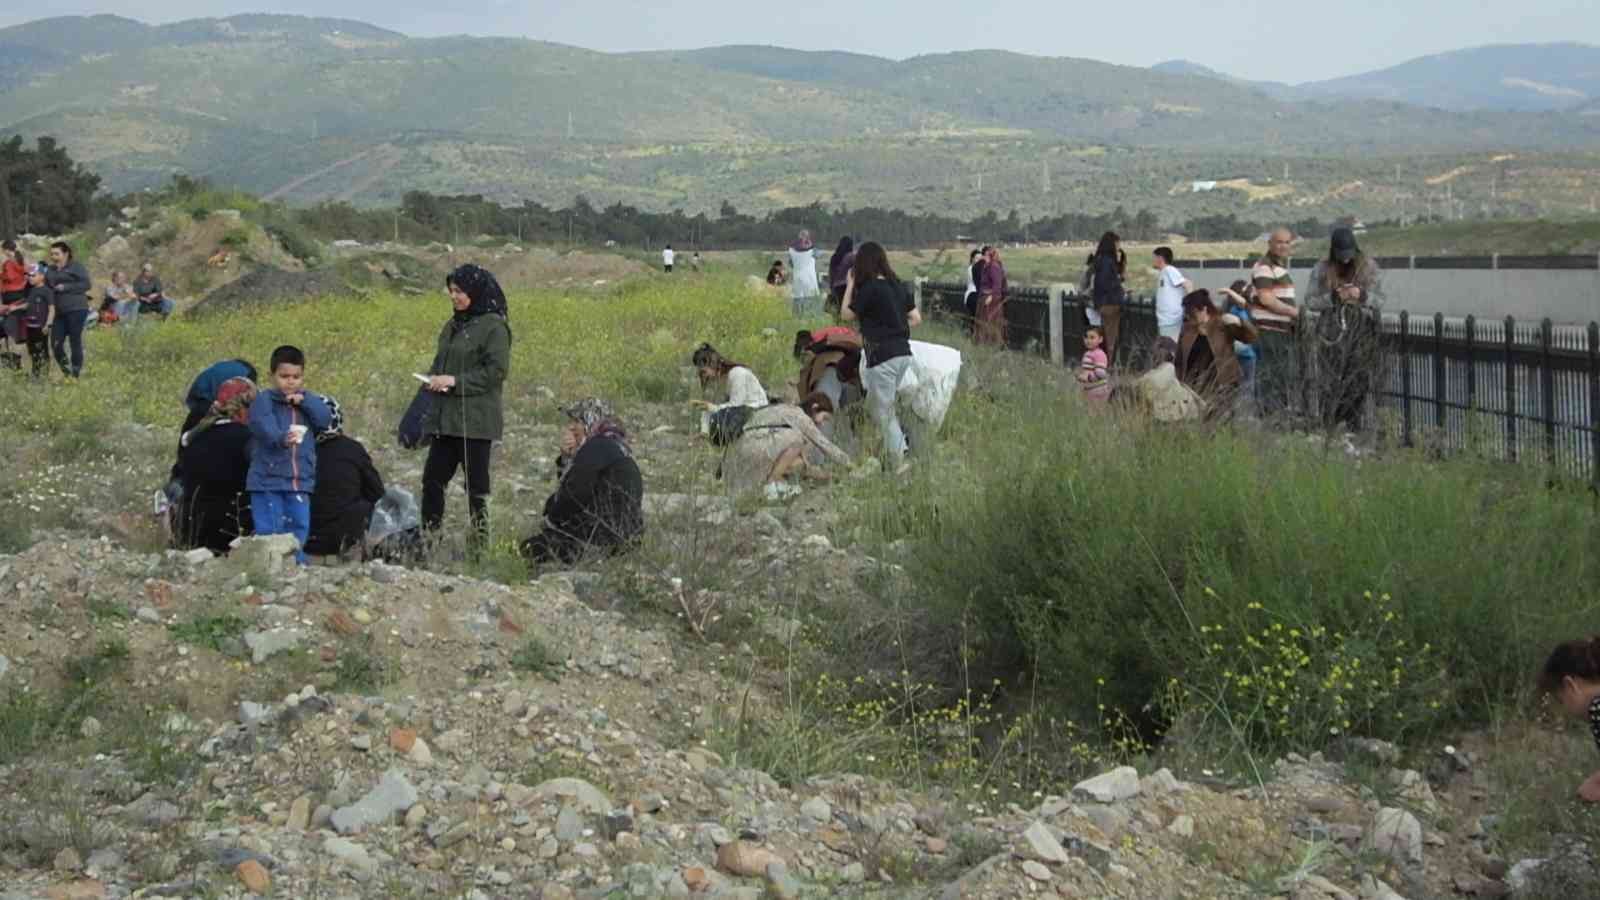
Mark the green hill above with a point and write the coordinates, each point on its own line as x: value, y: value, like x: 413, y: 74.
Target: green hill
x: 312, y: 109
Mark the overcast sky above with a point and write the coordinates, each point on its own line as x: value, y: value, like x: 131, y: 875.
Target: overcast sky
x: 1280, y: 41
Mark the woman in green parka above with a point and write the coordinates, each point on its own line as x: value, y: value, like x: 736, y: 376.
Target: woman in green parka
x: 467, y: 374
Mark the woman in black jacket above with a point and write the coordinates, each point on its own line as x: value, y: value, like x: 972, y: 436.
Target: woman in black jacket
x: 214, y: 507
x: 599, y: 504
x: 348, y: 487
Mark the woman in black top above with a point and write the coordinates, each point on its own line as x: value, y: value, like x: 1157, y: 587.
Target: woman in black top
x: 877, y: 298
x: 1106, y: 269
x: 215, y: 458
x: 348, y: 486
x: 598, y: 506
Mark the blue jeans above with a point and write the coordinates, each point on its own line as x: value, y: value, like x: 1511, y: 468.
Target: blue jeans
x: 882, y: 382
x: 162, y: 307
x: 283, y: 512
x: 69, y: 327
x: 1247, y: 385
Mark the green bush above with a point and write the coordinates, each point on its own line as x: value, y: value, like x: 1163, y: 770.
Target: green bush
x: 1100, y: 564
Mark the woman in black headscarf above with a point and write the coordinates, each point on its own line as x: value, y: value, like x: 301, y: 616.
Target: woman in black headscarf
x: 469, y: 368
x: 598, y: 508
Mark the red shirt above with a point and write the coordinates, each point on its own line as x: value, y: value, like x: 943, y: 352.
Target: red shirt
x: 12, y: 277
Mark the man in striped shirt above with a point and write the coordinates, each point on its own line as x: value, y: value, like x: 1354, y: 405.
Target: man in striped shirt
x: 1274, y: 284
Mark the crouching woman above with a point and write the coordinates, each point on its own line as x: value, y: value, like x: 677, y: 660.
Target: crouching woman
x: 598, y: 506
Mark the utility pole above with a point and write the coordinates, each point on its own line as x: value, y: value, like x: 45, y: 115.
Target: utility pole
x: 569, y: 123
x: 1047, y: 177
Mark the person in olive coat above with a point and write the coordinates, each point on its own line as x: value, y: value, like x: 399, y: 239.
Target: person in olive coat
x: 468, y: 371
x: 348, y: 487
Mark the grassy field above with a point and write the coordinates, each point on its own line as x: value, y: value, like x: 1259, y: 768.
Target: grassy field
x: 1090, y: 584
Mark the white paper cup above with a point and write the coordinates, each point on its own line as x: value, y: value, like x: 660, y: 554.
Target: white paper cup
x: 299, y: 432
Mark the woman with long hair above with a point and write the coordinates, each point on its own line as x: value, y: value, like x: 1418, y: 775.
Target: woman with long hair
x: 741, y: 384
x: 877, y: 298
x: 990, y: 327
x: 1107, y: 267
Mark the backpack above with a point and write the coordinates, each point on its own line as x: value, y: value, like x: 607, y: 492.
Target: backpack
x: 727, y: 424
x: 411, y: 431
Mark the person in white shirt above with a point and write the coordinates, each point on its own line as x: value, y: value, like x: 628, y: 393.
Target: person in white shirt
x: 1171, y: 288
x: 666, y: 259
x: 805, y: 295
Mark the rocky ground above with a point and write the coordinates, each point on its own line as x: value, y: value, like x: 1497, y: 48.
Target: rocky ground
x: 374, y: 731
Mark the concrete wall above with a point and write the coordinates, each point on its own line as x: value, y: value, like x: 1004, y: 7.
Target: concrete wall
x: 1568, y: 296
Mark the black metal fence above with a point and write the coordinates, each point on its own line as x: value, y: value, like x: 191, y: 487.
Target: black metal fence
x: 1505, y: 389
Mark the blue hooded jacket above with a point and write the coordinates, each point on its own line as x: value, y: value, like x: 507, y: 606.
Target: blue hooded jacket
x: 274, y: 465
x: 204, y: 389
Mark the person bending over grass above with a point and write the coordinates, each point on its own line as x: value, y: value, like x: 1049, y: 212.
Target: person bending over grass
x: 1572, y: 676
x: 782, y: 440
x: 877, y: 298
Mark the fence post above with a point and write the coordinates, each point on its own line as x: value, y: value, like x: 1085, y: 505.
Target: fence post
x: 1405, y: 378
x: 1440, y: 391
x: 916, y: 291
x: 1511, y: 388
x: 1472, y: 364
x: 1547, y: 388
x: 1058, y: 346
x: 1594, y: 402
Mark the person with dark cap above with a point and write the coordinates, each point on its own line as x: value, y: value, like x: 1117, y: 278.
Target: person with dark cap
x: 1346, y: 290
x: 468, y: 371
x: 598, y: 506
x: 348, y: 487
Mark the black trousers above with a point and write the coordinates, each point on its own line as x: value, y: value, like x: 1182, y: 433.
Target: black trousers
x: 445, y: 455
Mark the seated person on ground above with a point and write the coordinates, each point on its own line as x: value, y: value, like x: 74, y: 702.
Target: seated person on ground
x: 147, y: 291
x: 782, y: 440
x: 1159, y: 394
x: 214, y: 507
x: 598, y: 505
x: 114, y: 306
x: 1206, y: 359
x: 775, y: 274
x: 348, y: 486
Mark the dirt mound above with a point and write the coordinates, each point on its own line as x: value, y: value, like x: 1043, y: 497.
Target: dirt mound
x: 270, y: 284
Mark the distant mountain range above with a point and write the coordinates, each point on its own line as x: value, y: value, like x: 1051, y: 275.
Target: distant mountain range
x: 308, y: 109
x: 1507, y: 77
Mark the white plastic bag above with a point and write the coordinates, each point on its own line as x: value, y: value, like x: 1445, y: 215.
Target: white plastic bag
x: 930, y: 382
x: 395, y: 511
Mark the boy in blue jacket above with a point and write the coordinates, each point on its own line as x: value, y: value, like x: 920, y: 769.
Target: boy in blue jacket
x: 283, y: 452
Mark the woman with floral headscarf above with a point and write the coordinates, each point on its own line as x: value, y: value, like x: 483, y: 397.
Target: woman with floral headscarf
x: 215, y: 458
x: 348, y: 487
x: 598, y: 507
x: 469, y: 368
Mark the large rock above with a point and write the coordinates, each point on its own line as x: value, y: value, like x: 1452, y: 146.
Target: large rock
x: 352, y: 855
x: 266, y: 644
x: 1039, y: 844
x: 264, y: 554
x: 1397, y: 835
x: 392, y: 796
x: 574, y: 791
x: 114, y: 250
x: 1118, y: 784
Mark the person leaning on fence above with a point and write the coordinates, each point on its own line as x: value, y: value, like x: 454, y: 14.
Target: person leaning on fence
x: 969, y: 299
x: 1206, y: 360
x: 1346, y: 291
x: 1102, y: 282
